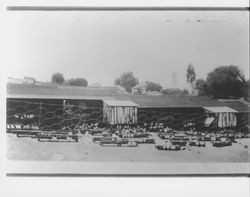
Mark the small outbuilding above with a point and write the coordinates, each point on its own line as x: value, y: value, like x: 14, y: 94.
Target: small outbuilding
x: 225, y: 116
x: 119, y: 112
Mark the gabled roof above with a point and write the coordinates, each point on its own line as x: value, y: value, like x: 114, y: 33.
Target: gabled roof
x: 140, y: 85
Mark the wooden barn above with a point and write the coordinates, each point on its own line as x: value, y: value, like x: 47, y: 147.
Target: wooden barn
x: 243, y: 112
x: 119, y: 112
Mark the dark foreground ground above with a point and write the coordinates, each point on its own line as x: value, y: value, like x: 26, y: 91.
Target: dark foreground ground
x: 28, y: 149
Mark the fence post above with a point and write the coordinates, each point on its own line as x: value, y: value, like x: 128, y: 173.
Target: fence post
x: 40, y: 111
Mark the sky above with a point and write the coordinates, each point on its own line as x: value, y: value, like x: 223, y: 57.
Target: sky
x: 101, y: 45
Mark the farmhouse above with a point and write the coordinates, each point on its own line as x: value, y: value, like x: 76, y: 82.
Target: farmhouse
x: 142, y: 88
x: 54, y: 106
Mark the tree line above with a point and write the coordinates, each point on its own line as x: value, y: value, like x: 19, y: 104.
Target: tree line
x: 222, y: 82
x: 58, y: 78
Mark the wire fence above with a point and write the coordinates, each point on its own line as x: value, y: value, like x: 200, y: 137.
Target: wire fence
x: 55, y: 115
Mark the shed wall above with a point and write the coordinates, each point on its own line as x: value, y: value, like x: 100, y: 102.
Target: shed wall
x: 225, y: 119
x: 120, y: 114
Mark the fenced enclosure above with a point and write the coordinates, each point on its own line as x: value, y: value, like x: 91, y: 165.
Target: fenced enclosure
x: 52, y: 114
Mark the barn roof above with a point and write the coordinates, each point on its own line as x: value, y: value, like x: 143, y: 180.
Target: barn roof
x: 164, y: 101
x: 237, y: 104
x: 52, y: 91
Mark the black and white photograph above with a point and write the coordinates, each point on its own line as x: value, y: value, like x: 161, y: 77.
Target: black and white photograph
x: 126, y: 91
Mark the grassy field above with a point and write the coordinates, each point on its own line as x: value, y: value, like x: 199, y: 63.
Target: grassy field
x: 29, y: 149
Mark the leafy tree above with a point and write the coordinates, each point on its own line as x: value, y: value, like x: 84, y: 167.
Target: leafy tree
x: 152, y: 86
x: 57, y: 78
x: 191, y: 75
x: 77, y: 82
x: 226, y: 82
x: 202, y: 87
x: 127, y: 80
x: 246, y: 90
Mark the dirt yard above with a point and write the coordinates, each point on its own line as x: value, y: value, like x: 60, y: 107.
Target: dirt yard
x: 29, y: 149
